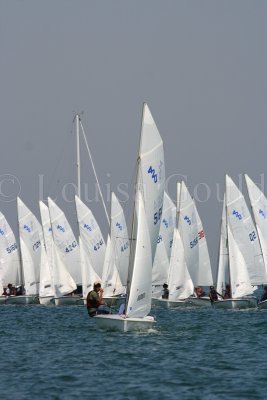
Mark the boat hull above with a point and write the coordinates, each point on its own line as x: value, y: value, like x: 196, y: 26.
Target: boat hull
x: 2, y: 300
x: 47, y: 301
x: 114, y: 301
x: 23, y: 300
x: 262, y: 305
x: 234, y: 304
x: 200, y: 301
x: 115, y: 322
x: 68, y: 300
x: 166, y: 303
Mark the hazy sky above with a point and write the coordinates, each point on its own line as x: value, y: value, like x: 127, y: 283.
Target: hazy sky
x: 200, y: 65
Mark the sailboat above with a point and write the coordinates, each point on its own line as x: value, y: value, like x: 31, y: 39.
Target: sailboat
x: 145, y: 228
x: 258, y: 203
x: 31, y: 242
x: 9, y: 258
x: 164, y: 247
x: 66, y: 256
x: 240, y: 257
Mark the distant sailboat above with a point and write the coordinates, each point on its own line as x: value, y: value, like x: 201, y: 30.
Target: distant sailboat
x: 258, y: 203
x: 245, y: 262
x: 31, y: 243
x: 145, y: 228
x: 9, y: 258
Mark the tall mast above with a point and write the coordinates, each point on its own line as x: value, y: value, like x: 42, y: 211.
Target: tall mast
x: 132, y: 244
x: 77, y: 118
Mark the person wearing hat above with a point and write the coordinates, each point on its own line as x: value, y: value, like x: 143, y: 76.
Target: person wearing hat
x: 94, y: 301
x: 165, y: 291
x: 264, y: 296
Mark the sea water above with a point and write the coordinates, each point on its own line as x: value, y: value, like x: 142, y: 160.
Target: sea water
x: 58, y: 353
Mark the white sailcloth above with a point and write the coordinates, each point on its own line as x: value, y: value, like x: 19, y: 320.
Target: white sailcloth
x: 91, y: 234
x: 89, y: 276
x: 179, y: 280
x: 10, y: 269
x: 204, y: 266
x: 31, y: 242
x: 160, y: 270
x: 139, y: 298
x: 259, y: 207
x: 168, y: 224
x: 188, y: 228
x: 151, y: 175
x: 46, y: 288
x: 240, y: 224
x: 223, y: 277
x: 65, y: 241
x: 111, y: 282
x: 119, y: 238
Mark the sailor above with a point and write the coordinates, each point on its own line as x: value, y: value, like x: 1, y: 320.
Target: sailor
x: 94, y: 301
x: 165, y: 291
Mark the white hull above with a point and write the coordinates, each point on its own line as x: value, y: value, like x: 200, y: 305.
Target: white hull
x: 2, y: 299
x: 171, y: 303
x: 200, y: 301
x: 22, y: 300
x: 115, y: 322
x: 234, y: 304
x: 47, y: 301
x: 262, y: 305
x: 114, y: 301
x: 68, y: 300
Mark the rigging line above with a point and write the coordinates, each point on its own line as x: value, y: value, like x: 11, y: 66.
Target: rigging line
x: 100, y: 192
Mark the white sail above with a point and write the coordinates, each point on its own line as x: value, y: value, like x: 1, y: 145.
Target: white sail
x: 240, y: 224
x: 151, y: 175
x: 139, y: 298
x: 188, y: 228
x: 168, y: 223
x: 204, y: 266
x: 65, y: 241
x: 89, y: 276
x: 223, y: 277
x: 259, y: 207
x: 62, y: 279
x: 179, y: 280
x: 10, y: 269
x: 91, y: 234
x: 111, y: 282
x: 120, y: 239
x: 46, y: 288
x: 240, y: 282
x: 31, y: 242
x: 160, y: 269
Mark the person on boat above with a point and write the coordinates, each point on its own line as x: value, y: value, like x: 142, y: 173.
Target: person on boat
x: 264, y: 295
x: 213, y: 295
x: 227, y: 292
x: 165, y: 291
x: 199, y: 291
x: 122, y: 309
x: 95, y: 303
x: 9, y: 290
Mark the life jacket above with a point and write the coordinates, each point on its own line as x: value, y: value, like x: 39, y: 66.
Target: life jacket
x: 90, y: 302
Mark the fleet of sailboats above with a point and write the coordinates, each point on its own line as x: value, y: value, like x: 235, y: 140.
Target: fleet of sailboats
x: 166, y: 244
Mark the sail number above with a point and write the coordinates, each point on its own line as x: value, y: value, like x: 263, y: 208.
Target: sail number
x: 157, y: 216
x: 252, y: 236
x: 71, y: 246
x: 187, y: 219
x: 201, y: 234
x: 236, y: 213
x: 119, y: 226
x: 36, y: 245
x: 98, y: 245
x: 153, y: 174
x: 60, y: 228
x: 261, y: 212
x: 88, y: 227
x: 159, y: 239
x: 124, y: 246
x: 12, y: 248
x: 193, y: 243
x: 2, y: 232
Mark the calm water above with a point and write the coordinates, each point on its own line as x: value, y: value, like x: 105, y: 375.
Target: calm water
x: 57, y: 353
